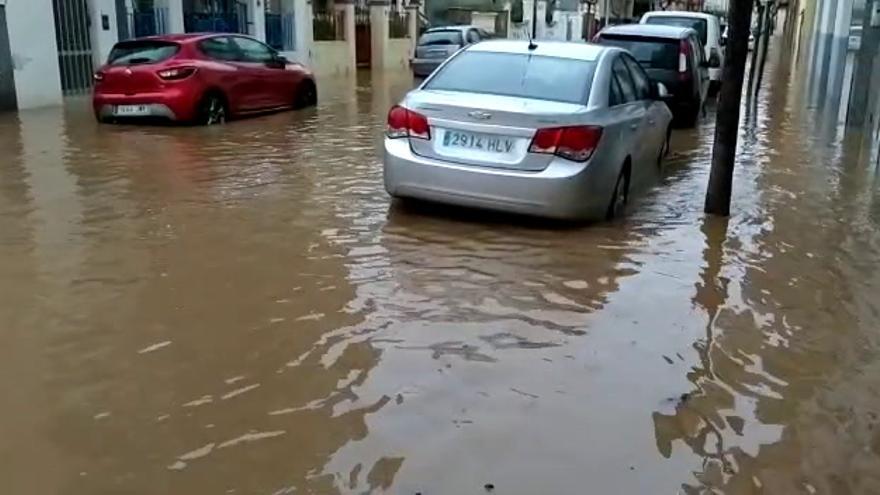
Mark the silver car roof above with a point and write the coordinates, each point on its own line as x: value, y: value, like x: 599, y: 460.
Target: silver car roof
x: 562, y: 49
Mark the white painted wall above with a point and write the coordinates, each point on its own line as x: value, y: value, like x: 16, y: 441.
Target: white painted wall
x: 257, y: 18
x: 303, y: 33
x: 485, y: 20
x: 174, y: 13
x: 332, y: 58
x: 102, y: 39
x: 31, y: 27
x: 398, y: 53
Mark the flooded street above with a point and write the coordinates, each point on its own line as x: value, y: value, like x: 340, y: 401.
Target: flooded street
x: 241, y: 309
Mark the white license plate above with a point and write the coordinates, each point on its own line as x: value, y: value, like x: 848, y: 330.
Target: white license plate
x: 480, y: 142
x: 132, y: 110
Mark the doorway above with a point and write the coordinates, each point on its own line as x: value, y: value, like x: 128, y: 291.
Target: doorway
x: 362, y: 36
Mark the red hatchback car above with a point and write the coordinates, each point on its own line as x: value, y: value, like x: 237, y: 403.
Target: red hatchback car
x: 198, y: 78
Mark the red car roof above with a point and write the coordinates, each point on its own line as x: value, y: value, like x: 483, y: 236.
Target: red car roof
x: 183, y: 37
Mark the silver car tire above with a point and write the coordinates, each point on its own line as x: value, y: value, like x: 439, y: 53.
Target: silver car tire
x: 620, y: 198
x: 665, y: 149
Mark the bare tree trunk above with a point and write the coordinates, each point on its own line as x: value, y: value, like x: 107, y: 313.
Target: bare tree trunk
x: 753, y: 67
x: 765, y: 43
x: 729, y: 99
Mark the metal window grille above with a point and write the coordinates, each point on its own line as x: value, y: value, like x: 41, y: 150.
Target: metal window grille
x: 74, y: 45
x: 398, y: 23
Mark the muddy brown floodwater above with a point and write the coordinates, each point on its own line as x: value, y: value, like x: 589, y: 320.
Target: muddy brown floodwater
x: 241, y: 310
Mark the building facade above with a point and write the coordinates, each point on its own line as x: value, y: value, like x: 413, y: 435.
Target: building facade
x: 51, y: 48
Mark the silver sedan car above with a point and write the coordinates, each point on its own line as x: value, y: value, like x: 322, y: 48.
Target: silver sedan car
x: 551, y: 129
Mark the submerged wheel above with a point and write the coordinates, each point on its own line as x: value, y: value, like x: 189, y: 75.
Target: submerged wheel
x: 665, y: 149
x: 212, y: 110
x: 620, y: 197
x: 307, y: 95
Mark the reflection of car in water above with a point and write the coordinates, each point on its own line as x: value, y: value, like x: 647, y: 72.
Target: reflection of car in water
x: 203, y: 78
x: 670, y: 55
x: 554, y: 129
x: 438, y: 44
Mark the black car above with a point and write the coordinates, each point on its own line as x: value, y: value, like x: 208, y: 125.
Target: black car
x: 671, y: 55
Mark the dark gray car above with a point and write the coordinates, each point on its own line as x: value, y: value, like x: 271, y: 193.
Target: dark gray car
x: 438, y: 44
x: 671, y: 55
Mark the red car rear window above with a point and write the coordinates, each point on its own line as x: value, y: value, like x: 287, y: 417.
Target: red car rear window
x: 142, y: 52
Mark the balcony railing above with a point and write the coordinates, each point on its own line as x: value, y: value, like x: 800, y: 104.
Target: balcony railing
x: 398, y: 25
x: 328, y: 25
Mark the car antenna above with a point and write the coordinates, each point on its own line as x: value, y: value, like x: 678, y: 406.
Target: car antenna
x: 532, y: 44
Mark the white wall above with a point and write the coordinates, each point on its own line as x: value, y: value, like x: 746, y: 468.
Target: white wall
x: 398, y: 53
x: 332, y: 58
x: 31, y: 27
x: 102, y: 39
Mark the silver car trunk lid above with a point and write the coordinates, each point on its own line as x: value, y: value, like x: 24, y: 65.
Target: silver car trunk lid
x: 487, y: 130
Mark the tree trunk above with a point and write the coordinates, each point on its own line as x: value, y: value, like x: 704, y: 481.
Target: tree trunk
x: 753, y: 67
x: 765, y: 43
x: 729, y: 99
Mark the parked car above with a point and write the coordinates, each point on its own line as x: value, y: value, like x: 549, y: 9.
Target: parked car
x: 554, y: 129
x: 436, y: 45
x: 671, y: 55
x: 201, y: 78
x: 708, y: 26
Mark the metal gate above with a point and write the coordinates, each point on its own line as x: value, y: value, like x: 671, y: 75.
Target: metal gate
x: 74, y: 45
x: 7, y: 77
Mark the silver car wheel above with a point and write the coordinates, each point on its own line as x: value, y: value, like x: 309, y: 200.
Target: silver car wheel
x: 619, y: 199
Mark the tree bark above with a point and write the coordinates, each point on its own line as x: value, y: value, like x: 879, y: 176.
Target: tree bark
x: 729, y: 99
x: 765, y: 43
x: 753, y: 67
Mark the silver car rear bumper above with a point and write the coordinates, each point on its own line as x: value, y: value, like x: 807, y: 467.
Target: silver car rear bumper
x: 425, y: 66
x: 564, y: 190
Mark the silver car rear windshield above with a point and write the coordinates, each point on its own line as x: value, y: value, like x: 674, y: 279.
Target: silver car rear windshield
x: 513, y: 74
x: 440, y: 38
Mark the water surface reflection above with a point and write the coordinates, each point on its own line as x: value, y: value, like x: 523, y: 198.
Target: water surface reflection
x: 242, y: 310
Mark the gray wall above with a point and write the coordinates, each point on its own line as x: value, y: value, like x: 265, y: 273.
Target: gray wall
x: 7, y: 77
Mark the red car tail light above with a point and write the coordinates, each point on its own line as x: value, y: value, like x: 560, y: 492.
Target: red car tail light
x: 684, y: 51
x: 403, y: 122
x: 176, y: 73
x: 575, y: 143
